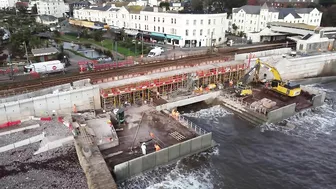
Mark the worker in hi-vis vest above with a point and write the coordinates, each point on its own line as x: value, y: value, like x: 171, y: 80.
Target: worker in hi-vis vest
x: 143, y: 148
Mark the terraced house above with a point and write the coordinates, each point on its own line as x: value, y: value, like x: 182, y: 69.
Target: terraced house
x: 170, y: 26
x: 250, y: 18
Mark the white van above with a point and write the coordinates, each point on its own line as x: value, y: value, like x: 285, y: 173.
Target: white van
x: 154, y: 52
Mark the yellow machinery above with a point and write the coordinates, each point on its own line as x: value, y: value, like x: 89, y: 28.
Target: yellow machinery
x: 277, y: 85
x: 242, y: 89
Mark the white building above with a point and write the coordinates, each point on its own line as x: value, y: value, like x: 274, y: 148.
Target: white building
x: 250, y: 18
x: 47, y: 20
x: 159, y: 24
x: 55, y: 8
x: 7, y: 3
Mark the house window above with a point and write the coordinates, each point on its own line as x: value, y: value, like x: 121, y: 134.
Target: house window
x: 214, y: 21
x: 201, y: 32
x: 158, y: 28
x: 162, y: 20
x: 187, y: 32
x: 162, y: 29
x: 194, y: 22
x: 139, y: 17
x: 135, y: 17
x: 209, y: 21
x: 154, y: 19
x: 201, y: 22
x: 154, y: 28
x: 175, y: 21
x: 132, y: 16
x: 187, y: 22
x: 136, y: 26
x: 172, y: 21
x: 158, y: 19
x: 194, y: 32
x: 208, y: 31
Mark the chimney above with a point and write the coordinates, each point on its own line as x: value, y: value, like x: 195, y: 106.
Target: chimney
x: 155, y: 9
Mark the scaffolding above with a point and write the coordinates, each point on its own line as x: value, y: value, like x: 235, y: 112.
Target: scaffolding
x: 140, y: 92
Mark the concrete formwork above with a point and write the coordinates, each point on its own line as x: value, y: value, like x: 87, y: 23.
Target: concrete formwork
x: 138, y: 89
x: 131, y: 168
x: 61, y: 102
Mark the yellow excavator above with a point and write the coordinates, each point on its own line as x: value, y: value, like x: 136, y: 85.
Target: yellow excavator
x: 242, y: 89
x: 276, y: 84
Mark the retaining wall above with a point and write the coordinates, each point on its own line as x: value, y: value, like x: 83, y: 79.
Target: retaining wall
x: 136, y: 166
x: 314, y: 80
x: 96, y: 171
x: 262, y: 53
x: 191, y: 100
x: 50, y: 90
x: 309, y: 66
x: 40, y: 106
x: 281, y: 113
x: 319, y: 96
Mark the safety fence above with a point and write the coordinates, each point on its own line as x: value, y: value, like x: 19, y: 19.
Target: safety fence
x: 190, y: 125
x: 164, y: 156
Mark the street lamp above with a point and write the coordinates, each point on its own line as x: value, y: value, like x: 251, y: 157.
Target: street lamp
x: 25, y: 45
x: 141, y: 42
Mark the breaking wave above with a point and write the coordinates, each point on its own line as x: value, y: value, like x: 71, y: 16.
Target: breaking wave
x: 192, y: 172
x: 213, y: 114
x: 311, y: 123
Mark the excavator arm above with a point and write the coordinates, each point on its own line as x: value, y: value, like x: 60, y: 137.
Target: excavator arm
x: 272, y: 69
x: 284, y: 88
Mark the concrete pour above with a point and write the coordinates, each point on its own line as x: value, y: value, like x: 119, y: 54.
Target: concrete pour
x: 161, y: 125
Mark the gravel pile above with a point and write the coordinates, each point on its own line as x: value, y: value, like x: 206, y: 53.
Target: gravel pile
x: 58, y: 168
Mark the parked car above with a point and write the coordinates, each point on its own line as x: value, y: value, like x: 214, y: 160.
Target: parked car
x: 161, y: 49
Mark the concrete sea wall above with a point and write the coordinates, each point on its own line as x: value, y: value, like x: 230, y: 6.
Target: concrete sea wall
x: 173, y: 153
x: 259, y: 54
x: 61, y: 102
x: 309, y: 66
x: 50, y: 90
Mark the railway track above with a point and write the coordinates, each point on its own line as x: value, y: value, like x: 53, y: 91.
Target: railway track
x: 36, y: 84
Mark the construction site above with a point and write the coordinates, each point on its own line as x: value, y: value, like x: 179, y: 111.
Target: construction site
x: 124, y: 121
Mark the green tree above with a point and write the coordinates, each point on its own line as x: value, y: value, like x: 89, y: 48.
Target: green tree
x: 22, y: 9
x: 327, y: 3
x: 34, y: 9
x: 234, y: 27
x: 290, y: 5
x: 97, y: 35
x: 197, y: 5
x: 164, y: 4
x: 226, y: 5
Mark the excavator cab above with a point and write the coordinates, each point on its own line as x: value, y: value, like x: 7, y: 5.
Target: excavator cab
x: 243, y: 90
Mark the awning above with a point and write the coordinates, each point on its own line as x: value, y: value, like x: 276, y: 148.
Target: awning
x: 174, y: 37
x: 166, y: 36
x: 158, y: 34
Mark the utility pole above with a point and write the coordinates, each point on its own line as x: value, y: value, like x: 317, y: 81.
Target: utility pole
x: 211, y: 47
x: 116, y: 49
x: 142, y: 40
x: 26, y: 51
x: 11, y: 67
